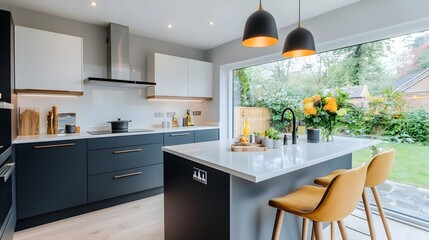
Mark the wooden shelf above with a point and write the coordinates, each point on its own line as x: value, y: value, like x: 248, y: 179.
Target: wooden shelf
x: 50, y: 92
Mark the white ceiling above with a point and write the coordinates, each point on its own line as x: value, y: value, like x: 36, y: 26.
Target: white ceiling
x: 189, y: 18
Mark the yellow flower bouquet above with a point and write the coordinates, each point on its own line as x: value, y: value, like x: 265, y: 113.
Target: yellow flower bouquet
x: 324, y: 111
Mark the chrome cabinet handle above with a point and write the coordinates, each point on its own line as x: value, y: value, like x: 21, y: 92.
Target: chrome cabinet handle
x: 179, y: 134
x: 55, y: 145
x: 127, y: 175
x: 6, y: 171
x: 1, y: 146
x: 128, y: 151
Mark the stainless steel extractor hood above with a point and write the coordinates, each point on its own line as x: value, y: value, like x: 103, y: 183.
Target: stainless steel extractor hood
x: 118, y: 67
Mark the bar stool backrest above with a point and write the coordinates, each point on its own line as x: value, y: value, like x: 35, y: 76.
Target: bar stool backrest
x: 379, y: 168
x: 341, y: 197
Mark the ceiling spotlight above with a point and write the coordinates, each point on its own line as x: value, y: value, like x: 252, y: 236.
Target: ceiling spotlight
x: 93, y: 3
x: 211, y: 23
x: 170, y: 26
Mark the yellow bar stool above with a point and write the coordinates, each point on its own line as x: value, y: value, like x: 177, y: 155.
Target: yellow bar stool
x: 378, y: 171
x: 319, y: 204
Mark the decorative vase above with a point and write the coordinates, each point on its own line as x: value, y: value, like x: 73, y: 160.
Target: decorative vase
x: 327, y: 134
x: 267, y: 142
x: 277, y: 144
x: 313, y: 135
x: 258, y: 139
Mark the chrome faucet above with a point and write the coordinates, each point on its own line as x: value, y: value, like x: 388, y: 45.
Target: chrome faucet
x: 293, y: 126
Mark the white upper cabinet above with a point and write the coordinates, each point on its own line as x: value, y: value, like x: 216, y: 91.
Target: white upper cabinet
x: 200, y: 79
x: 47, y: 61
x: 170, y: 75
x: 179, y: 78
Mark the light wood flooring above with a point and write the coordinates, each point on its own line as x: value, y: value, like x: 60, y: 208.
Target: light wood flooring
x: 143, y: 220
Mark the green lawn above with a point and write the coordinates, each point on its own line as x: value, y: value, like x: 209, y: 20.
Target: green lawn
x: 411, y: 163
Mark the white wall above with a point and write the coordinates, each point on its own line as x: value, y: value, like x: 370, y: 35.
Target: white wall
x: 366, y: 20
x: 101, y: 104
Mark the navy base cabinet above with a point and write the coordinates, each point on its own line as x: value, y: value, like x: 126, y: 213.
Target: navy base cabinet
x: 50, y: 176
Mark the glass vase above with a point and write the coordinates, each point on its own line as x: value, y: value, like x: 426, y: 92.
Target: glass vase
x: 327, y: 134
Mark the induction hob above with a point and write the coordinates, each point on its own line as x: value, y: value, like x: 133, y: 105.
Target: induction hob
x: 110, y: 131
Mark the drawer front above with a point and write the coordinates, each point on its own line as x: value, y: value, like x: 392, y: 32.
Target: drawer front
x: 207, y: 135
x: 176, y: 138
x: 112, y: 142
x: 120, y: 183
x: 116, y: 159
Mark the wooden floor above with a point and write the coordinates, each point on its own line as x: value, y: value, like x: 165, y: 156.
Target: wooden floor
x: 143, y: 220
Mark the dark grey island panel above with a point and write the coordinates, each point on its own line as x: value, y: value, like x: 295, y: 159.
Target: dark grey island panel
x: 193, y: 209
x: 230, y: 207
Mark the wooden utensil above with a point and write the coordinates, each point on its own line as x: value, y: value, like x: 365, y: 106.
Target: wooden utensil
x: 29, y: 121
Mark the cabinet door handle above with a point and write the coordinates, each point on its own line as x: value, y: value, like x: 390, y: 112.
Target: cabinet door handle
x: 55, y: 145
x: 179, y: 134
x: 127, y: 175
x: 1, y: 146
x: 128, y: 151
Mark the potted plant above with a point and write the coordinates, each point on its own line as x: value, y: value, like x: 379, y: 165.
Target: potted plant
x: 277, y: 142
x: 258, y: 137
x: 270, y: 135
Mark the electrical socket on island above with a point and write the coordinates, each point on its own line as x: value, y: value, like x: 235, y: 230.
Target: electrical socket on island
x: 196, y: 113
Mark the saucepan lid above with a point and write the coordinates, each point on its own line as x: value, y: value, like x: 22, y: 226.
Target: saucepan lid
x: 119, y: 121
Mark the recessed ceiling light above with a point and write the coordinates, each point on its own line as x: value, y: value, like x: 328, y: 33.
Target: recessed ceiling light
x: 93, y: 3
x: 211, y: 23
x: 170, y: 26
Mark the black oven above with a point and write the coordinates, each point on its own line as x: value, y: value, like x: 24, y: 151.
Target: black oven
x: 7, y: 195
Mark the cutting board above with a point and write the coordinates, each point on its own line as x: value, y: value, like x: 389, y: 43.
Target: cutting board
x: 29, y: 122
x: 249, y: 148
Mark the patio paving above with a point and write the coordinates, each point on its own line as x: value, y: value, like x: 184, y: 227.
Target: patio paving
x: 406, y: 199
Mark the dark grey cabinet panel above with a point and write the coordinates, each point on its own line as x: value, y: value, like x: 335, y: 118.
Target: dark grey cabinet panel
x: 193, y: 210
x: 50, y: 176
x: 206, y: 135
x: 114, y: 159
x: 176, y: 138
x: 111, y: 142
x: 108, y: 185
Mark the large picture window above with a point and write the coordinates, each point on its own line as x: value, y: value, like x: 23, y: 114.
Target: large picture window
x: 387, y: 87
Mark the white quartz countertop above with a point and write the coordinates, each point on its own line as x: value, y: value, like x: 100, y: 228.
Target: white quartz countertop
x: 260, y: 166
x: 86, y: 135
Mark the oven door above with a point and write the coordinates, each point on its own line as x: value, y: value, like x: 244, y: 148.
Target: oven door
x: 5, y: 130
x: 7, y: 207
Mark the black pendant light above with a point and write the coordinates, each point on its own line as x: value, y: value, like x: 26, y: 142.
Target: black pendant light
x: 299, y: 42
x: 260, y: 29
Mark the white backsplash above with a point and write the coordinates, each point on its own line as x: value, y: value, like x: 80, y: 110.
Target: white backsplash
x: 101, y: 104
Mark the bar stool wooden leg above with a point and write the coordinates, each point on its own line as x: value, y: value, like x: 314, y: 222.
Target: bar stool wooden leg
x: 304, y: 228
x: 332, y: 231
x: 342, y: 230
x: 313, y: 235
x: 318, y: 229
x: 278, y: 224
x: 380, y: 210
x: 368, y: 216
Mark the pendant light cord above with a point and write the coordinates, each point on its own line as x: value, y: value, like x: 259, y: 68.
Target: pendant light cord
x: 260, y: 5
x: 299, y: 13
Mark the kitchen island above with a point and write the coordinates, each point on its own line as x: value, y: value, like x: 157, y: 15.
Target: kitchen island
x: 213, y: 193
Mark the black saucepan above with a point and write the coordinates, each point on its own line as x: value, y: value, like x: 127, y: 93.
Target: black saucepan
x: 119, y: 125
